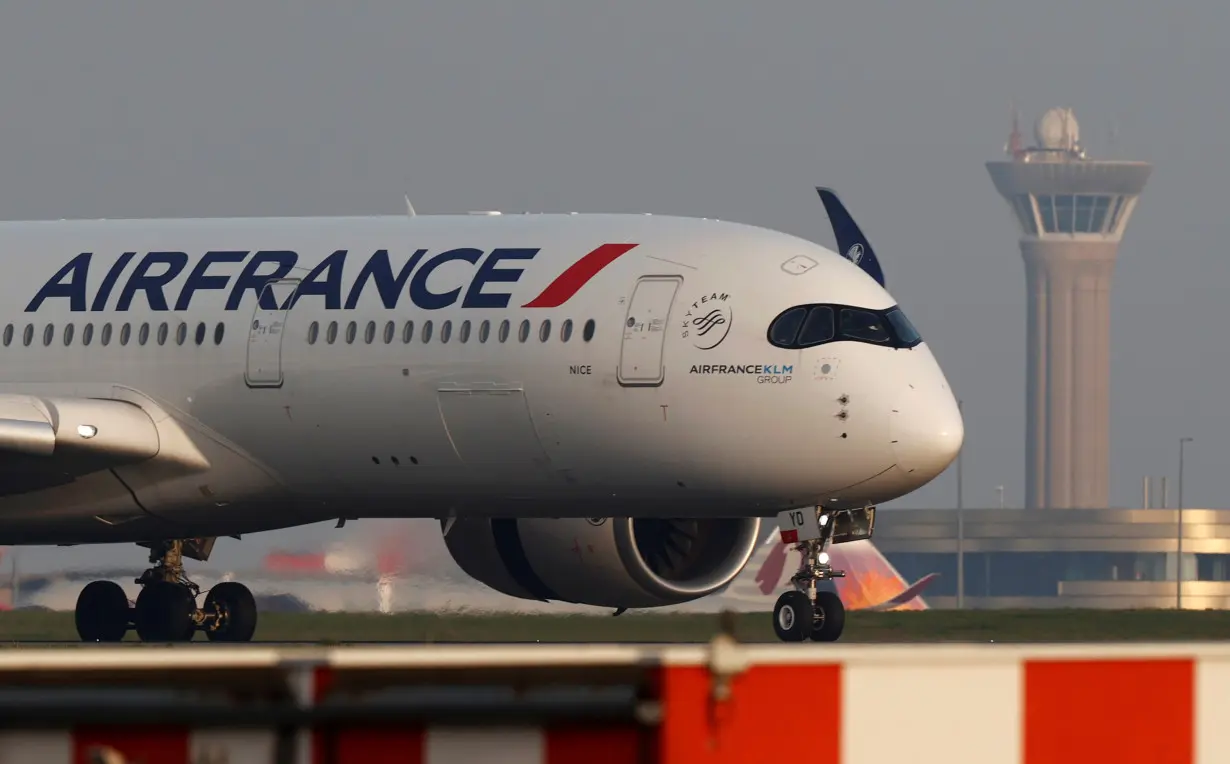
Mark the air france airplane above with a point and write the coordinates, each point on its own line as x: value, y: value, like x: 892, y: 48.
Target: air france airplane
x: 599, y: 409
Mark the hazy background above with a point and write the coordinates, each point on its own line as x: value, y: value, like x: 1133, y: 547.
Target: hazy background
x: 717, y: 108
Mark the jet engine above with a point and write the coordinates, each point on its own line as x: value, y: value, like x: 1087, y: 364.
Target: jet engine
x: 617, y: 562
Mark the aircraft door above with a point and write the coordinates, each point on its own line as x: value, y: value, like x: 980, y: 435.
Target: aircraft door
x: 266, y: 332
x: 640, y: 355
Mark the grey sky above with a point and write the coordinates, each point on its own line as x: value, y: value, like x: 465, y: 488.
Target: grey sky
x: 717, y: 108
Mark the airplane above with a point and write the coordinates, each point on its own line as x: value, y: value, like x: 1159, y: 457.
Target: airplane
x: 597, y: 408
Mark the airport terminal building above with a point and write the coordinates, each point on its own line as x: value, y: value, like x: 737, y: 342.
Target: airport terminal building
x: 1046, y: 558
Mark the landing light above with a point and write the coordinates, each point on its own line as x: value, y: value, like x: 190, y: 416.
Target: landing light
x: 823, y: 557
x: 87, y: 430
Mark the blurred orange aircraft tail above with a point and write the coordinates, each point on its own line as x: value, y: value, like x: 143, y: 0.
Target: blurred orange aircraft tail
x: 871, y: 582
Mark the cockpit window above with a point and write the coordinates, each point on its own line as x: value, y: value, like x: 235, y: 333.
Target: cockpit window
x: 818, y: 328
x: 902, y: 326
x: 783, y: 331
x: 803, y: 326
x: 863, y: 325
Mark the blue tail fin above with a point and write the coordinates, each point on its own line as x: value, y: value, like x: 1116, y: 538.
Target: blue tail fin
x: 851, y: 242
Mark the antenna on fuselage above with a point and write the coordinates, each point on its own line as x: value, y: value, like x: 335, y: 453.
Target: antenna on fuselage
x: 410, y: 207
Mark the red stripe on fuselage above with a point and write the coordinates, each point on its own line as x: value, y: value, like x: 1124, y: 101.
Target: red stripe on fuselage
x: 578, y: 275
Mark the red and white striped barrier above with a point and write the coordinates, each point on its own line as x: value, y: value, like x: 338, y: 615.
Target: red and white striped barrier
x: 844, y: 704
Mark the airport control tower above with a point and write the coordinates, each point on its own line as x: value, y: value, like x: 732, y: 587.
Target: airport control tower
x: 1072, y: 212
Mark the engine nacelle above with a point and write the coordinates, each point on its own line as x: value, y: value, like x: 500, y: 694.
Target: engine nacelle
x: 610, y: 562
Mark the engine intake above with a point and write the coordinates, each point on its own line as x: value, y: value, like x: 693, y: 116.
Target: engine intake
x: 608, y: 562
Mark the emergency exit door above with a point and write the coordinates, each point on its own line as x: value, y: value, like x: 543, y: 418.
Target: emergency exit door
x: 266, y: 332
x: 640, y: 355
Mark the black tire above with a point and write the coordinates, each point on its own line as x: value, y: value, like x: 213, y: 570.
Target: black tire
x: 164, y: 613
x: 829, y: 618
x: 237, y: 607
x: 792, y: 617
x: 102, y: 612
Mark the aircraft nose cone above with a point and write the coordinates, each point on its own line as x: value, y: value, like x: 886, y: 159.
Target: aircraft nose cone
x: 927, y: 432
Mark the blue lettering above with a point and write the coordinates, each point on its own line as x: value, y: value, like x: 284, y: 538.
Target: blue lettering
x: 249, y: 281
x: 380, y: 270
x: 428, y: 300
x: 197, y: 280
x: 488, y: 273
x: 113, y: 275
x: 324, y: 279
x: 330, y: 287
x: 77, y: 270
x: 152, y: 285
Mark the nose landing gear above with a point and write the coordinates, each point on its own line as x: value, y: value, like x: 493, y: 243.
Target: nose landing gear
x: 166, y: 609
x: 806, y: 612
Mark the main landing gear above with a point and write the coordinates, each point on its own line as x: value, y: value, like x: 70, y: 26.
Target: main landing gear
x: 166, y: 609
x: 806, y: 612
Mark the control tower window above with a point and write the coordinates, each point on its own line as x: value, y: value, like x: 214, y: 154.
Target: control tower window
x: 1101, y: 205
x: 907, y: 335
x: 786, y: 327
x: 1063, y: 213
x: 818, y: 327
x: 1046, y: 211
x: 1084, y: 213
x: 1025, y: 211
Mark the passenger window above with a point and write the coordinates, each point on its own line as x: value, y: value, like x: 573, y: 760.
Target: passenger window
x: 484, y: 331
x: 463, y: 334
x: 863, y: 325
x: 125, y: 334
x: 407, y: 332
x: 785, y: 327
x: 331, y: 335
x: 369, y: 334
x: 49, y: 333
x: 818, y: 327
x: 565, y: 330
x: 505, y: 328
x: 143, y: 335
x: 426, y: 332
x: 907, y: 335
x: 28, y: 335
x: 163, y: 331
x: 523, y: 333
x: 352, y: 330
x: 446, y: 331
x: 87, y: 334
x: 200, y: 333
x: 219, y: 331
x: 181, y: 333
x: 390, y: 332
x: 105, y: 337
x: 588, y: 333
x: 313, y: 332
x: 68, y: 335
x: 544, y: 330
x: 8, y: 335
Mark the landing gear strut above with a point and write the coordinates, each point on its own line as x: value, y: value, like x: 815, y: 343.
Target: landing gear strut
x: 805, y: 612
x: 166, y: 609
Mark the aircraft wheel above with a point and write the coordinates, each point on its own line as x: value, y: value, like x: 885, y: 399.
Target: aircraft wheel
x: 830, y: 618
x: 102, y: 612
x: 792, y: 617
x: 164, y: 613
x: 236, y: 608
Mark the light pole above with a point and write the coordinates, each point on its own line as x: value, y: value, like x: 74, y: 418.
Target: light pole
x: 1178, y: 593
x: 960, y: 528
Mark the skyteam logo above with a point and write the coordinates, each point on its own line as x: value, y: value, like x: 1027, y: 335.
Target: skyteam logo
x: 707, y: 321
x: 475, y: 278
x: 855, y: 254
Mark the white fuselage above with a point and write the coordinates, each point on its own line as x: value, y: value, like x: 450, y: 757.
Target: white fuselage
x: 513, y: 377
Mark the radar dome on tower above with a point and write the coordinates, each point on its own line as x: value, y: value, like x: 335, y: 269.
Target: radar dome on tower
x: 1057, y: 129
